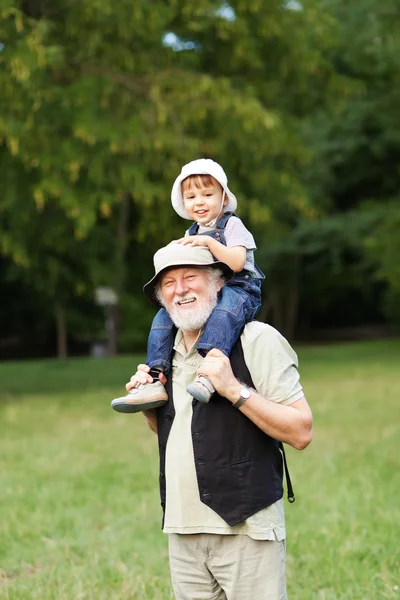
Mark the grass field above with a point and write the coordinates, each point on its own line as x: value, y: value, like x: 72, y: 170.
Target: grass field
x: 79, y: 507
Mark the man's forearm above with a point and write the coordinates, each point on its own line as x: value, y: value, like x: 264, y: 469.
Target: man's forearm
x: 290, y: 424
x: 151, y: 419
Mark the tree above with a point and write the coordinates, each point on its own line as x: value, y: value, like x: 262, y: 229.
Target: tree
x: 99, y: 110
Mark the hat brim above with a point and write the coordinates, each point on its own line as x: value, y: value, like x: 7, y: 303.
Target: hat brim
x: 150, y: 287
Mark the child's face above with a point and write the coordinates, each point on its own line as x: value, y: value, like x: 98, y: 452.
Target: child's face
x: 203, y: 201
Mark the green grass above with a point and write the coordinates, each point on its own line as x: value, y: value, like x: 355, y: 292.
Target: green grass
x: 79, y: 507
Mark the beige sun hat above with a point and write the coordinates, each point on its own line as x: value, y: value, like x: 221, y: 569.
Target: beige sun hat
x: 178, y: 255
x: 201, y: 166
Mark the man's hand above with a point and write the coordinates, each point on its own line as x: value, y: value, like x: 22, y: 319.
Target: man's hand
x: 217, y: 367
x: 195, y: 240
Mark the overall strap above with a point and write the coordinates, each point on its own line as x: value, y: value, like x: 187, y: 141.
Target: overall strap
x: 238, y: 355
x: 193, y: 229
x: 222, y: 221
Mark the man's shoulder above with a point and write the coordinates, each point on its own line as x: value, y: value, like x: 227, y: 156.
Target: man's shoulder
x: 260, y: 340
x: 255, y: 329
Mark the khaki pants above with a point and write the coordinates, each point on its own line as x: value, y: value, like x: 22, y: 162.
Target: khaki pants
x: 226, y: 567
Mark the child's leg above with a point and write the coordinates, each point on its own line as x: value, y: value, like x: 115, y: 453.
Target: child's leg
x: 160, y: 346
x: 161, y: 342
x: 234, y: 309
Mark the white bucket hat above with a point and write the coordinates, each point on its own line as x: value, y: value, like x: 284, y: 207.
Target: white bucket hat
x: 178, y: 255
x: 201, y: 166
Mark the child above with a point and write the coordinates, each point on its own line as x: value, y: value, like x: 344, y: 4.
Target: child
x: 200, y: 193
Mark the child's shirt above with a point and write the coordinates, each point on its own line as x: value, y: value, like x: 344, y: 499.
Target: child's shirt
x: 236, y: 234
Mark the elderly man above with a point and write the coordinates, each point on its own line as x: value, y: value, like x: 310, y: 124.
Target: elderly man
x: 221, y: 465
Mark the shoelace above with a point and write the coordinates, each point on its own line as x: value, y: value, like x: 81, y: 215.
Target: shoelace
x: 139, y: 386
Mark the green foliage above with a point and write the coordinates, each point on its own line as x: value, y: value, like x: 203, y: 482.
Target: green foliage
x: 97, y: 106
x: 383, y: 244
x: 383, y: 249
x: 98, y: 112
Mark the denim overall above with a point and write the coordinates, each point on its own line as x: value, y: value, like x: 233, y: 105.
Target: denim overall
x: 238, y: 303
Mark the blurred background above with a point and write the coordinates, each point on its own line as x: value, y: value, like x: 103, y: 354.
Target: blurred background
x: 102, y: 103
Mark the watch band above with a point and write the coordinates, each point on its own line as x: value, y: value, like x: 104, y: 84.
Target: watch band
x: 245, y: 394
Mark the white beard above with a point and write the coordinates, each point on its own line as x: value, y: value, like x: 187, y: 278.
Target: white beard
x: 193, y: 319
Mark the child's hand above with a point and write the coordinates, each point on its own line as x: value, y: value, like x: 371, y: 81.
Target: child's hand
x: 194, y: 240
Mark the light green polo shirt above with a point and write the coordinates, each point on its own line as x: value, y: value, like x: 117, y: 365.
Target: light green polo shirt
x: 273, y: 368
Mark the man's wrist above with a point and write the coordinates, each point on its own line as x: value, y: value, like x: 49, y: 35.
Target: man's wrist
x: 234, y: 391
x: 244, y: 395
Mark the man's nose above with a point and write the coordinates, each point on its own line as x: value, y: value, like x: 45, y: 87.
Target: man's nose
x: 181, y: 287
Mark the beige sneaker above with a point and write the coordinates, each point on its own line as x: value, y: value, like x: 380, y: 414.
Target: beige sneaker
x: 141, y: 397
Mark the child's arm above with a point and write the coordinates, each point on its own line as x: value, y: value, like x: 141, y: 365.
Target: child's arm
x: 234, y: 257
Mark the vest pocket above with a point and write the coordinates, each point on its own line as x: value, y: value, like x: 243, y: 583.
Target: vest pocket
x: 242, y: 464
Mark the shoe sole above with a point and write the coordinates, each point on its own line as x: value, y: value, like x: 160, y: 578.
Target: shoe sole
x: 130, y: 407
x: 196, y: 394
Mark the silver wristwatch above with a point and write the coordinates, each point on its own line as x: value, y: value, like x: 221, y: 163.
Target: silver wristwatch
x: 245, y: 394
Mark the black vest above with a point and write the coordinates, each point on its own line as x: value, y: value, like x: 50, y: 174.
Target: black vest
x: 239, y: 468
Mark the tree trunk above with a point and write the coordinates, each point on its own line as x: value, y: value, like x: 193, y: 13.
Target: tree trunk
x: 61, y: 329
x: 282, y: 301
x: 111, y: 325
x: 275, y: 301
x: 292, y: 300
x: 113, y: 316
x: 265, y: 310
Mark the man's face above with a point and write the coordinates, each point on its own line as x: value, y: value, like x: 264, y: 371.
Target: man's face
x: 189, y: 294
